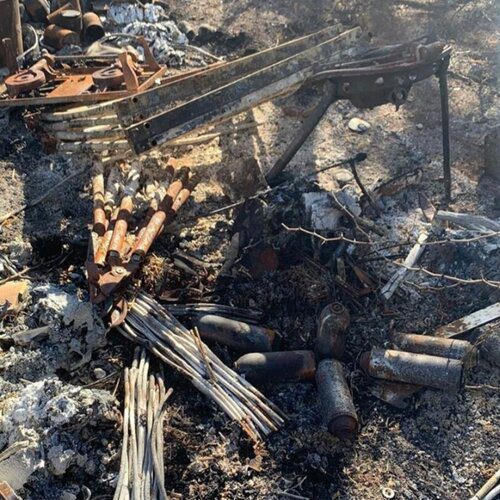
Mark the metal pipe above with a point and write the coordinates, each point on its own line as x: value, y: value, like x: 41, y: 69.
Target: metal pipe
x: 279, y: 366
x: 237, y: 335
x: 445, y: 122
x: 92, y: 27
x: 437, y: 346
x: 338, y: 410
x: 418, y: 369
x: 334, y: 321
x: 329, y: 96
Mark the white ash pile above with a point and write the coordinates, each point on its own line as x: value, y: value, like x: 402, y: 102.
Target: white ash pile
x: 47, y: 428
x: 150, y: 21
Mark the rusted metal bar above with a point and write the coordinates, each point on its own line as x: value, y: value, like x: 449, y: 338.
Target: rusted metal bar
x: 99, y: 215
x: 437, y: 346
x: 126, y: 207
x: 278, y: 366
x: 148, y: 104
x: 148, y: 234
x: 237, y: 96
x: 237, y: 335
x: 412, y: 368
x: 334, y: 321
x: 339, y: 414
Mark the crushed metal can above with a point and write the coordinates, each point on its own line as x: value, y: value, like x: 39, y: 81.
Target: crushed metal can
x: 412, y: 368
x: 334, y: 321
x: 278, y: 366
x: 339, y: 414
x: 437, y: 346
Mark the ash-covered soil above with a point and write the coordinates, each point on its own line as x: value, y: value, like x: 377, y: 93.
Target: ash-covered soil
x: 444, y: 445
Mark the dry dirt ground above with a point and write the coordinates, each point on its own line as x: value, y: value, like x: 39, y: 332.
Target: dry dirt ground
x: 444, y: 445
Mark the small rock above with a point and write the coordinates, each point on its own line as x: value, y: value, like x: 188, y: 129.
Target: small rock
x: 358, y: 125
x: 343, y: 176
x: 67, y: 495
x: 99, y: 373
x: 419, y: 126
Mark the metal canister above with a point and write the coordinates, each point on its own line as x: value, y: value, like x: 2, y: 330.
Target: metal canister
x: 92, y: 27
x: 71, y: 19
x: 240, y: 336
x: 334, y: 321
x: 412, y: 368
x: 276, y: 367
x: 337, y: 405
x: 437, y: 346
x: 58, y: 37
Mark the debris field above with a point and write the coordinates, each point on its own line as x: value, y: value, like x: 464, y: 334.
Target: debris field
x: 249, y: 250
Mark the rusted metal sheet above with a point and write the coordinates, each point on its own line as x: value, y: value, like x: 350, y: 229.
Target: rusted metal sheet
x: 437, y: 346
x: 339, y: 413
x: 334, y: 321
x: 278, y: 366
x: 237, y: 335
x: 412, y: 368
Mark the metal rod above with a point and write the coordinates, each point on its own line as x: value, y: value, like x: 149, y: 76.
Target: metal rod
x: 329, y: 96
x: 445, y: 122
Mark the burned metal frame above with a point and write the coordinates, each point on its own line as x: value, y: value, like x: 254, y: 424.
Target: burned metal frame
x: 367, y: 78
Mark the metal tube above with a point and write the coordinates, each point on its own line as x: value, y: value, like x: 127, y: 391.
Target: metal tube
x: 58, y: 37
x: 330, y: 92
x: 334, y: 321
x: 237, y: 335
x: 418, y: 369
x: 279, y: 366
x: 338, y: 410
x: 437, y: 346
x: 445, y: 122
x: 92, y: 27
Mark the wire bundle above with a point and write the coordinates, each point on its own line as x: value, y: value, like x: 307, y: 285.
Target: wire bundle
x: 152, y: 326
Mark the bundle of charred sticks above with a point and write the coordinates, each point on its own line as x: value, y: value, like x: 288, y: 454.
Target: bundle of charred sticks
x: 141, y: 466
x: 152, y: 326
x: 115, y: 254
